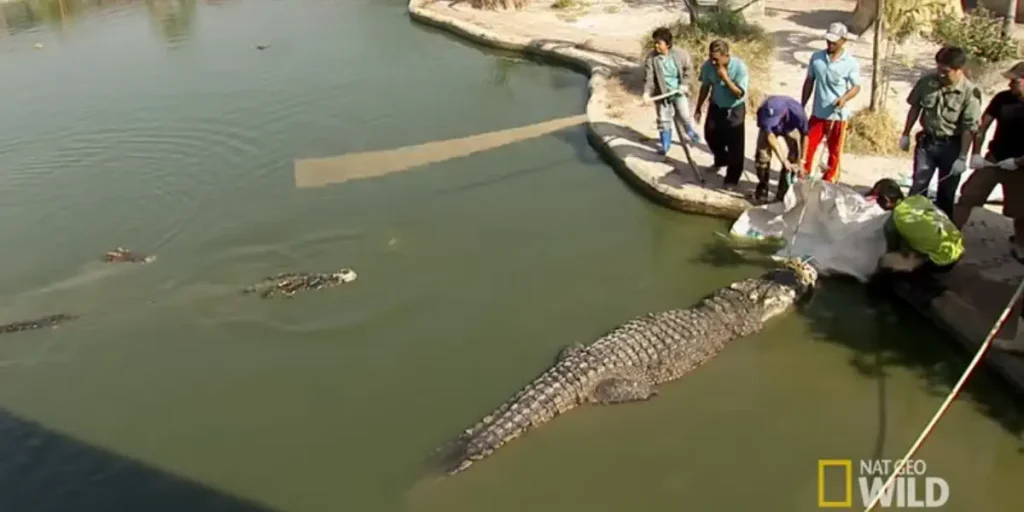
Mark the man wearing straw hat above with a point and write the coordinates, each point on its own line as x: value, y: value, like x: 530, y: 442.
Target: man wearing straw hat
x: 1004, y: 162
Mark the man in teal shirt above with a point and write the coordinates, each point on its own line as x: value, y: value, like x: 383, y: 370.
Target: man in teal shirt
x: 725, y: 77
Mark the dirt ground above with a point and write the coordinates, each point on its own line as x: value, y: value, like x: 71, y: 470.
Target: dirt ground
x: 617, y: 27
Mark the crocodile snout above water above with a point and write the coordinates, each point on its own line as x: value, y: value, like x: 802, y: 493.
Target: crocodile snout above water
x: 288, y: 283
x: 122, y: 255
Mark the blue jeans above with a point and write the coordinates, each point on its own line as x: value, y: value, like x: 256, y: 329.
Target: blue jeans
x: 930, y: 154
x: 674, y: 111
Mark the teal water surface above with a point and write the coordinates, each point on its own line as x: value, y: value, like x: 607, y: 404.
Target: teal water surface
x: 160, y: 127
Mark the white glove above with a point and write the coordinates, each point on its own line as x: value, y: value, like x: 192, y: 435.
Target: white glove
x: 1010, y: 164
x: 958, y: 167
x: 905, y: 143
x: 978, y: 161
x: 646, y: 99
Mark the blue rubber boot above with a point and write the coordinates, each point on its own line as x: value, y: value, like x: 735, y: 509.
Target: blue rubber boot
x: 666, y: 141
x: 694, y: 137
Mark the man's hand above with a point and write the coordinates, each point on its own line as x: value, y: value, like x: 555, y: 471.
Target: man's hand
x: 697, y: 114
x: 646, y: 99
x: 839, y: 103
x: 1010, y: 164
x: 723, y: 72
x: 978, y: 161
x: 958, y: 167
x: 905, y: 143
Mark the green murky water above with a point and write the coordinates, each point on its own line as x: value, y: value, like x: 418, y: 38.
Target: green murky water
x: 158, y: 126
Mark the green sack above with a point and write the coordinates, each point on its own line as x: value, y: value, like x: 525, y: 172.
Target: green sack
x: 928, y: 230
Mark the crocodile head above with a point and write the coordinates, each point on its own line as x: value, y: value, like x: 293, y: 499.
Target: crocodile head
x: 779, y: 289
x: 345, y: 275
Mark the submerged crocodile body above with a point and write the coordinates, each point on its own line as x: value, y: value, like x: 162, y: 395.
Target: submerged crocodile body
x: 625, y: 364
x: 38, y: 323
x: 122, y: 255
x: 288, y: 283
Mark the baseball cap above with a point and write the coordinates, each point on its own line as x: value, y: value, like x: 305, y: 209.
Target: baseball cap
x: 1016, y: 72
x: 768, y: 117
x: 836, y: 31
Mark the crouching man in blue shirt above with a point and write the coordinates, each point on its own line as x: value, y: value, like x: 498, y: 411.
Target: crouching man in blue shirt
x: 779, y: 118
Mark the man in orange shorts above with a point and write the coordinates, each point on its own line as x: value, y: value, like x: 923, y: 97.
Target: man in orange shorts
x: 1004, y: 162
x: 834, y: 76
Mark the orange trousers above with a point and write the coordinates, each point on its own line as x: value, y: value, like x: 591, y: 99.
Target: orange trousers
x: 834, y: 133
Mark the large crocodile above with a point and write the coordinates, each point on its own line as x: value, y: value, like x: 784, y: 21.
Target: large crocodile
x: 625, y: 364
x: 288, y: 283
x: 36, y: 323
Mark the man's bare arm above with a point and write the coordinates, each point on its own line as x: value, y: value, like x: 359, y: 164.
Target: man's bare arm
x: 979, y: 136
x: 732, y: 86
x: 808, y: 89
x: 844, y: 99
x: 704, y: 90
x: 773, y: 142
x: 912, y: 116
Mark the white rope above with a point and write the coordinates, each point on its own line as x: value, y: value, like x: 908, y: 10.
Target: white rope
x: 952, y: 395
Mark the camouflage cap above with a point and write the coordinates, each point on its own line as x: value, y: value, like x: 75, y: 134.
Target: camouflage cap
x: 1016, y: 72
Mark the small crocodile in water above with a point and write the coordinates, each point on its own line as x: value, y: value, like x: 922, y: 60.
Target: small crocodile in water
x: 625, y: 364
x: 38, y: 323
x: 290, y: 282
x: 122, y: 255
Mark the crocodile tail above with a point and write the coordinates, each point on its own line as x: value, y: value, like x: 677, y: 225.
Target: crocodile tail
x: 547, y: 396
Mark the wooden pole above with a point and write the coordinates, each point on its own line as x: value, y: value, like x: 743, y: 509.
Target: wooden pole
x: 876, y: 57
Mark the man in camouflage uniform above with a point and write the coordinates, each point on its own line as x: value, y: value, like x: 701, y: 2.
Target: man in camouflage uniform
x: 949, y: 106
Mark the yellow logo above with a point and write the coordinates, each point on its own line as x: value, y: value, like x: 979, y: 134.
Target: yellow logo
x: 911, y: 486
x: 847, y: 466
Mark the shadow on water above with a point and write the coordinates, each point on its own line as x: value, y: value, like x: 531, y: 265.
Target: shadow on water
x: 172, y: 20
x: 44, y: 470
x: 891, y: 333
x: 883, y: 333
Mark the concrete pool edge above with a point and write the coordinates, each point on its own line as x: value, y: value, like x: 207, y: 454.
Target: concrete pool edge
x: 610, y: 139
x: 605, y: 134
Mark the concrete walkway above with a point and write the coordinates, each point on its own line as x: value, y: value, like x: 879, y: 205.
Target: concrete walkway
x: 604, y: 43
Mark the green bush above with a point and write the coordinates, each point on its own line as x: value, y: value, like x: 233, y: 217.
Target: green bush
x: 979, y: 33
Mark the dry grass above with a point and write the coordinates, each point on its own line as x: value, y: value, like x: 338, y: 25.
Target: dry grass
x: 873, y: 133
x: 565, y: 4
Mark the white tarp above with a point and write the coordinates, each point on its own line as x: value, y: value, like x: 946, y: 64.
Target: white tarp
x: 841, y: 230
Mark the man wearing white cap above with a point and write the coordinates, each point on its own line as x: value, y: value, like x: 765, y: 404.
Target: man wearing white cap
x: 834, y: 77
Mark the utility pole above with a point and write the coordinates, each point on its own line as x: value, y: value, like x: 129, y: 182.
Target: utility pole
x: 876, y: 57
